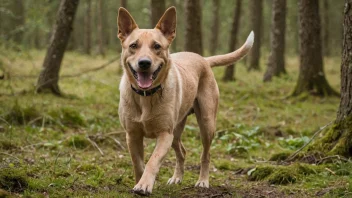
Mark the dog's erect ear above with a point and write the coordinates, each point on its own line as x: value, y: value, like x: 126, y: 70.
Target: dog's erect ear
x: 125, y: 24
x: 167, y: 24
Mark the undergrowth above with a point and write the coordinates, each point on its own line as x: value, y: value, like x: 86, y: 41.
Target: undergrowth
x: 75, y: 146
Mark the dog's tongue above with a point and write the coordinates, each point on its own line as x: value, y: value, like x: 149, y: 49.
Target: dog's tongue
x: 144, y: 80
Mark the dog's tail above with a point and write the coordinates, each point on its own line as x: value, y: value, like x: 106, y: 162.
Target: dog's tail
x: 230, y: 58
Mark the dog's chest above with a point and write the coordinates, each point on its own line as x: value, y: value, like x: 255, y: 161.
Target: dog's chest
x: 146, y: 117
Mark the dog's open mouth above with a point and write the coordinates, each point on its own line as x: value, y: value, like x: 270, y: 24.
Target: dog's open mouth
x: 145, y: 79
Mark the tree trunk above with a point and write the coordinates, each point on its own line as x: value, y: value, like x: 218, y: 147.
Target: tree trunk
x: 49, y: 76
x: 193, y: 30
x: 100, y: 28
x: 88, y: 31
x: 174, y: 42
x: 338, y: 141
x: 18, y: 20
x: 256, y: 7
x: 326, y: 28
x: 123, y: 3
x: 311, y: 74
x: 230, y: 70
x: 158, y: 9
x: 37, y: 37
x: 215, y: 27
x: 276, y: 62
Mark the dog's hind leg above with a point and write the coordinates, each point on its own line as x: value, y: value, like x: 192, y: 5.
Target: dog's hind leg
x: 180, y: 152
x: 205, y: 108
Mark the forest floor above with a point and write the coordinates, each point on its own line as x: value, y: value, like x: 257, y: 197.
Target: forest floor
x: 74, y: 145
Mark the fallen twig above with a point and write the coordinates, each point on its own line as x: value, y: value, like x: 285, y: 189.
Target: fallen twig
x: 310, y: 140
x: 328, y: 169
x: 92, y: 70
x: 118, y: 143
x: 95, y: 145
x: 331, y: 157
x: 74, y: 75
x: 115, y: 132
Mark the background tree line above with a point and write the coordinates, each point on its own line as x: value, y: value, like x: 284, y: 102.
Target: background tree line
x: 27, y: 22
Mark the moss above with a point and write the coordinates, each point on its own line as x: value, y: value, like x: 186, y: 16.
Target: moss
x: 260, y: 173
x: 344, y: 145
x: 328, y: 141
x: 13, y: 180
x: 280, y: 156
x: 77, y: 141
x: 332, y: 135
x: 87, y: 167
x: 283, y: 176
x: 68, y: 117
x: 337, y: 141
x: 225, y: 165
x: 22, y: 115
x: 62, y: 174
x: 306, y: 169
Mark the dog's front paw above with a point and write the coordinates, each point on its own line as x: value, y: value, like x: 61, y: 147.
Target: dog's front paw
x: 174, y: 180
x: 143, y: 188
x: 202, y: 184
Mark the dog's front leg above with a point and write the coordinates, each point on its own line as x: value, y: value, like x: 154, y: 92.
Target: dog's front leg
x: 163, y: 145
x: 135, y: 147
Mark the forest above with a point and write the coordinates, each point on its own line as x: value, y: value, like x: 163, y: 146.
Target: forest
x: 284, y: 118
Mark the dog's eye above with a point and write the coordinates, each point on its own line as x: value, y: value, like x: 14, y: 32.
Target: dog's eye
x: 133, y: 46
x: 156, y: 46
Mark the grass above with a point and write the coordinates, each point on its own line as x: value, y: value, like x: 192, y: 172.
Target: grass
x: 51, y: 144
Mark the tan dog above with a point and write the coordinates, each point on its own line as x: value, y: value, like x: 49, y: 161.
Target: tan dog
x: 157, y: 92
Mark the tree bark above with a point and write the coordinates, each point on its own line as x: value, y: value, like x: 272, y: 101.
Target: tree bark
x: 256, y: 20
x: 88, y: 31
x: 326, y: 28
x: 18, y: 20
x: 49, y: 76
x: 100, y: 28
x: 174, y: 42
x: 193, y: 30
x: 230, y: 70
x: 215, y: 27
x: 158, y: 9
x: 276, y: 62
x: 37, y: 38
x: 123, y: 3
x: 338, y: 140
x: 311, y: 77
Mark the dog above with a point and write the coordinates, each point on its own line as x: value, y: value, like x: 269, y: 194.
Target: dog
x: 158, y: 90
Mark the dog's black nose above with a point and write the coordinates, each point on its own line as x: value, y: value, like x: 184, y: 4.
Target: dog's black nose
x: 144, y: 63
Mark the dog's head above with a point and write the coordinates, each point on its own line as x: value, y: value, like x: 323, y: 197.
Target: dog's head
x: 145, y: 52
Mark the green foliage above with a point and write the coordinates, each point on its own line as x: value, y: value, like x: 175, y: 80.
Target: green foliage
x: 78, y: 142
x: 306, y: 169
x: 260, y: 173
x: 21, y: 115
x: 280, y: 156
x: 240, y: 140
x: 68, y: 117
x: 293, y: 143
x: 283, y: 177
x: 253, y: 123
